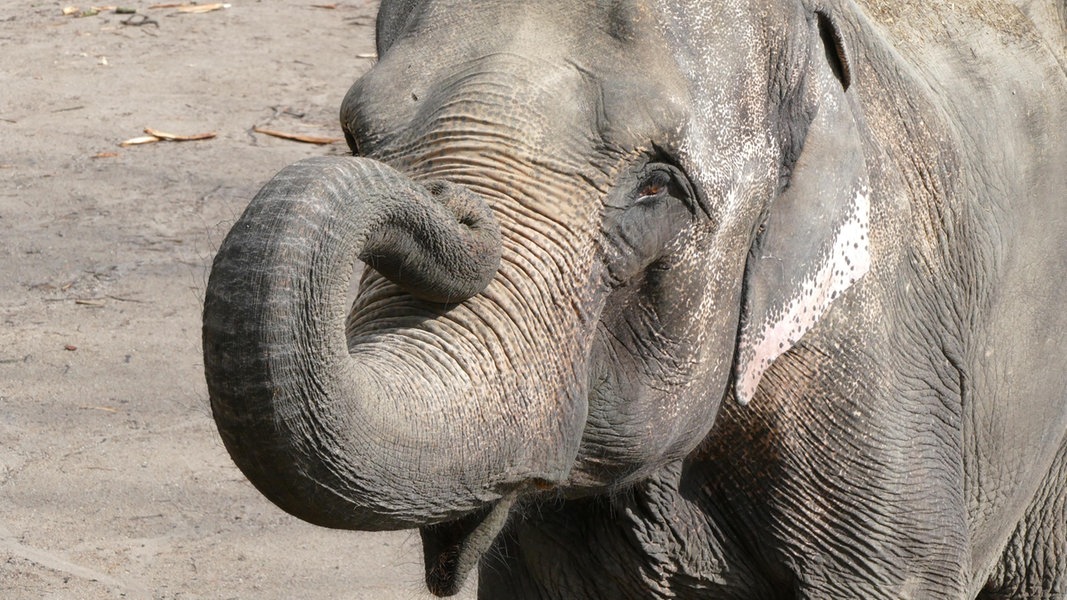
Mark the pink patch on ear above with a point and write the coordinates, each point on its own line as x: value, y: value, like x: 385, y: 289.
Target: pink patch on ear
x: 848, y: 261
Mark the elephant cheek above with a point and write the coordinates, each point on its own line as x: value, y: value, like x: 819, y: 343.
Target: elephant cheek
x: 660, y: 365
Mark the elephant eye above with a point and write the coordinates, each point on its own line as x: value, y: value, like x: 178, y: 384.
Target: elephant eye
x: 654, y: 185
x: 652, y: 189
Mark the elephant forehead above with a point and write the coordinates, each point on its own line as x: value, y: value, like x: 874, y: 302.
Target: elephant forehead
x: 551, y: 75
x: 632, y: 87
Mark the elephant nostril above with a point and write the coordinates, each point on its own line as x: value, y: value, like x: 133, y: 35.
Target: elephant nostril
x: 460, y: 200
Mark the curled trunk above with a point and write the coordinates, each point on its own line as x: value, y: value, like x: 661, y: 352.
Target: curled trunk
x: 339, y: 437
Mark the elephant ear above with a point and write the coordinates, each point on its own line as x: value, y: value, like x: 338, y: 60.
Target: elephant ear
x: 814, y: 243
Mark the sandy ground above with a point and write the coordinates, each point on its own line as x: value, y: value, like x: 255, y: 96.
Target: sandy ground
x: 113, y: 482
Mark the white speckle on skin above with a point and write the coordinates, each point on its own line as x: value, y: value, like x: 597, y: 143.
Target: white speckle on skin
x: 848, y: 261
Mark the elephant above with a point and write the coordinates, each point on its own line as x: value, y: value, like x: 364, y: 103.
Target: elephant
x: 673, y: 299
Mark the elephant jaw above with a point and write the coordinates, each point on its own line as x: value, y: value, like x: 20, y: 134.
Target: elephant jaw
x: 451, y: 550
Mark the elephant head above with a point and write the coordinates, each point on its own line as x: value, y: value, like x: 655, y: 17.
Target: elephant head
x: 587, y: 224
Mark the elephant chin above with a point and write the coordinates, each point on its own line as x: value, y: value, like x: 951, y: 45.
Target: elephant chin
x: 452, y: 550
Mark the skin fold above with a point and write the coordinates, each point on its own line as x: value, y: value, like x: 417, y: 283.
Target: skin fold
x: 667, y: 299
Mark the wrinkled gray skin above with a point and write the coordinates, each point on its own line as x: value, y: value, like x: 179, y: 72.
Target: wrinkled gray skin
x: 738, y: 299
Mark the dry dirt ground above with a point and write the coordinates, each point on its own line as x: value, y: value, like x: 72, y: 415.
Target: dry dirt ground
x: 113, y: 482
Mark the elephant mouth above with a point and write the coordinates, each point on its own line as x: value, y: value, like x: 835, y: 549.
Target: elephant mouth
x: 451, y: 550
